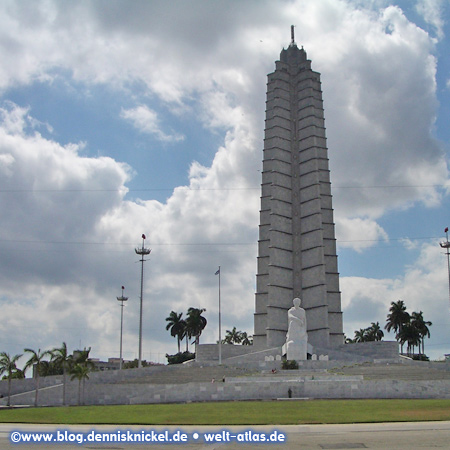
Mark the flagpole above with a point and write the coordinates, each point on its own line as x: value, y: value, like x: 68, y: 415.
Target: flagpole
x: 220, y: 324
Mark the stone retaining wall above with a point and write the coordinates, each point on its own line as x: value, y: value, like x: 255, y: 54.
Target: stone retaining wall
x: 28, y: 384
x: 321, y: 388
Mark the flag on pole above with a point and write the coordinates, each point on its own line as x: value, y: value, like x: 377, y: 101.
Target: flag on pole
x: 218, y: 271
x: 446, y: 230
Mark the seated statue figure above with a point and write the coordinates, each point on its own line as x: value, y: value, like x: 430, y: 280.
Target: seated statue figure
x: 297, y: 336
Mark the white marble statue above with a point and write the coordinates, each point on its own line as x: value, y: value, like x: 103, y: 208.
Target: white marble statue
x: 297, y: 336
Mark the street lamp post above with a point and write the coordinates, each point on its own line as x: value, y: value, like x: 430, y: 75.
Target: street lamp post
x: 142, y: 252
x: 121, y: 299
x: 446, y: 244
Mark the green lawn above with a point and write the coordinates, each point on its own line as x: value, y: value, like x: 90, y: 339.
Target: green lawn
x: 239, y: 413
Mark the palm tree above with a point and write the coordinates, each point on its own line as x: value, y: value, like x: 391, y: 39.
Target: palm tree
x: 8, y: 365
x: 81, y: 365
x: 421, y: 325
x: 246, y: 339
x: 60, y: 357
x: 195, y: 323
x: 397, y: 319
x: 36, y: 359
x: 409, y: 334
x: 81, y: 373
x: 361, y: 335
x: 82, y: 357
x: 177, y: 327
x: 233, y: 337
x: 374, y: 332
x: 18, y: 374
x: 348, y: 340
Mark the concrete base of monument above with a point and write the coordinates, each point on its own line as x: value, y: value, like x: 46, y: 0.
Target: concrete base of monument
x: 249, y: 357
x: 208, y: 382
x: 310, y: 353
x: 200, y: 382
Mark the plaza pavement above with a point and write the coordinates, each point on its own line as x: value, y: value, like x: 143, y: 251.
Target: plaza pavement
x: 403, y: 435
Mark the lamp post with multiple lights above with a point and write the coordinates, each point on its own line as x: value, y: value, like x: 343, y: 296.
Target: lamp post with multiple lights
x: 142, y: 252
x: 121, y: 299
x: 446, y: 245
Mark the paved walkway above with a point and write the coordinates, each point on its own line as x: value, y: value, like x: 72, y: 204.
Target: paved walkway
x: 410, y: 435
x: 370, y: 371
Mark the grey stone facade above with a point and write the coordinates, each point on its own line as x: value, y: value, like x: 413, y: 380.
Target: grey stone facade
x: 249, y: 357
x: 126, y: 387
x: 297, y: 246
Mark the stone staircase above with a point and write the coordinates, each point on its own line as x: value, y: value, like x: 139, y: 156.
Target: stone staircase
x: 192, y: 382
x: 187, y: 374
x: 395, y: 371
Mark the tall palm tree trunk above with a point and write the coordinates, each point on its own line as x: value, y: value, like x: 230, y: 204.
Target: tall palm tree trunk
x: 64, y: 385
x: 9, y: 390
x: 37, y: 387
x: 79, y: 392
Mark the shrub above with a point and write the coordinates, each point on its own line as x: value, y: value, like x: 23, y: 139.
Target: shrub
x: 180, y: 358
x: 289, y: 364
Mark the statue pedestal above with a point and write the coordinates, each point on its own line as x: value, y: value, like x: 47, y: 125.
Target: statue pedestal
x: 296, y: 350
x: 284, y: 352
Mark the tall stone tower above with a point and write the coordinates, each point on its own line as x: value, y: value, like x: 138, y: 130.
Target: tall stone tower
x: 297, y: 245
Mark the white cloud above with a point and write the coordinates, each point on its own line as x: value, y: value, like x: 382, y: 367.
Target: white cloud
x: 432, y: 10
x: 13, y: 118
x: 358, y: 233
x: 146, y: 121
x: 380, y: 106
x: 54, y: 193
x: 378, y: 75
x: 6, y: 161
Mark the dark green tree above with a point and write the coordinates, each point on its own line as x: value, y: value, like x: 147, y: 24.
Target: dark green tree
x: 361, y: 335
x: 421, y: 325
x: 17, y: 374
x: 80, y: 366
x: 374, y: 332
x: 81, y: 373
x: 135, y: 364
x: 233, y: 336
x: 246, y: 339
x: 410, y: 335
x: 397, y: 318
x: 348, y: 340
x: 195, y: 323
x: 8, y: 366
x: 177, y: 327
x: 61, y: 359
x: 36, y: 360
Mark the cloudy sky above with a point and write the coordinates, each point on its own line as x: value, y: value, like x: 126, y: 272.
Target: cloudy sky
x: 119, y: 118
